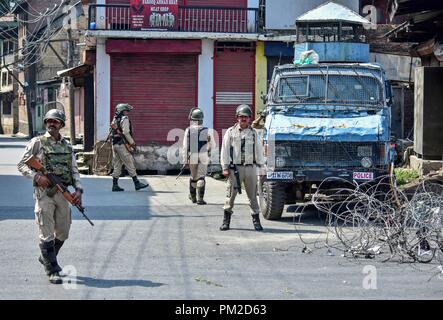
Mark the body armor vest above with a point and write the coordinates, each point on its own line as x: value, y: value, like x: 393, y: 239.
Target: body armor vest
x: 58, y: 159
x: 116, y: 137
x: 200, y: 133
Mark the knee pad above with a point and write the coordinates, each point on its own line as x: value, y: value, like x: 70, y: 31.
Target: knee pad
x: 193, y: 183
x: 201, y: 183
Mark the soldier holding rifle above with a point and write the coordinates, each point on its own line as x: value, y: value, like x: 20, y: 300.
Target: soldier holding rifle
x: 123, y: 146
x: 241, y: 157
x: 52, y: 210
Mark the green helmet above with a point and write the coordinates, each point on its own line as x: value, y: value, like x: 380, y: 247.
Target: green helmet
x: 243, y: 110
x: 55, y: 114
x: 196, y: 114
x: 123, y: 107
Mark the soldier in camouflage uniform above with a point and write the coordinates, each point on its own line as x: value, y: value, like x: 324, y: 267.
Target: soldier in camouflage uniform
x: 52, y: 210
x: 197, y: 145
x: 121, y: 156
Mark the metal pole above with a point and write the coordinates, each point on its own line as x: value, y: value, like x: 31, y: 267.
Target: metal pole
x: 71, y: 88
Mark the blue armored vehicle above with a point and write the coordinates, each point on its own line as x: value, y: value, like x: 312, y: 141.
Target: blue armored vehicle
x: 322, y: 121
x: 327, y: 115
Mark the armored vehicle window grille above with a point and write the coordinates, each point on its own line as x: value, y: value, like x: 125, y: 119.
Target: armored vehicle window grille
x: 332, y: 154
x: 341, y: 89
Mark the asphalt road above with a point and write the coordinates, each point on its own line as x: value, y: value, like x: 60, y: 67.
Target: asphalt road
x: 155, y: 244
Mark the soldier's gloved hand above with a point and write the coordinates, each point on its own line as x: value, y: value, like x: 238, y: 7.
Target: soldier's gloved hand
x: 77, y: 197
x: 226, y: 173
x: 42, y: 181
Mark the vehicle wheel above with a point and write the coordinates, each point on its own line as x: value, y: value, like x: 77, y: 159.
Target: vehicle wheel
x: 272, y: 199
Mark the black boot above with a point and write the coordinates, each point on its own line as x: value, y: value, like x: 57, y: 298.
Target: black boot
x: 57, y: 245
x: 138, y: 185
x: 201, y: 194
x: 192, y: 192
x: 49, y: 259
x: 226, y: 221
x: 256, y: 222
x: 115, y: 186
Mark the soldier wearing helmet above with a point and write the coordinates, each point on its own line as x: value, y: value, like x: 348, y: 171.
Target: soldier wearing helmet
x: 52, y: 210
x: 197, y: 145
x: 121, y: 156
x: 241, y: 150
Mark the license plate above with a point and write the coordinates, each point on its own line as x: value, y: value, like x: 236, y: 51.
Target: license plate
x: 363, y: 175
x: 282, y: 175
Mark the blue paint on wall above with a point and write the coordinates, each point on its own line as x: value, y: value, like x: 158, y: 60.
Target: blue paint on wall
x: 279, y: 49
x: 335, y: 51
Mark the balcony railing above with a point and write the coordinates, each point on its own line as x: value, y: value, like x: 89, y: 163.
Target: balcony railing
x: 190, y: 19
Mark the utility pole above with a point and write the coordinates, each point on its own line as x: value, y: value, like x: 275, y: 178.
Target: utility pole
x: 71, y: 84
x: 29, y: 85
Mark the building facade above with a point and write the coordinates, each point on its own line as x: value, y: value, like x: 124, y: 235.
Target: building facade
x: 208, y: 59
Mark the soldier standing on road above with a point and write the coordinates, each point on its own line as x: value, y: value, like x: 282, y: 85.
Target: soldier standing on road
x: 121, y: 156
x: 197, y: 145
x: 52, y: 210
x: 242, y: 148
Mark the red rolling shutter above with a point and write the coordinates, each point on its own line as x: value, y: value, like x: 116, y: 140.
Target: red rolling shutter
x: 161, y: 87
x: 234, y: 83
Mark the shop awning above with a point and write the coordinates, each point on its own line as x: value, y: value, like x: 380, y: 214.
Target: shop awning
x: 75, y: 72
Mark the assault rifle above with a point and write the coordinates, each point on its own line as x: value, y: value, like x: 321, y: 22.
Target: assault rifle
x: 56, y: 182
x: 130, y: 147
x: 234, y: 168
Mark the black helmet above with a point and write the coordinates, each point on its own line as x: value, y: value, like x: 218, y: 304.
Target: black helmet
x: 123, y: 107
x: 243, y: 110
x: 196, y: 114
x: 55, y: 114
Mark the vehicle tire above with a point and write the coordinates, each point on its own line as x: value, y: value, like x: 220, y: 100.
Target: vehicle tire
x: 272, y: 199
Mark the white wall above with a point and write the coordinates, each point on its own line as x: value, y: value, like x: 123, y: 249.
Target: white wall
x: 206, y: 82
x: 397, y: 67
x: 251, y: 15
x: 281, y: 14
x: 103, y: 91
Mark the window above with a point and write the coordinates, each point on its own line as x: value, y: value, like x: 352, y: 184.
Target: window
x: 8, y: 47
x: 7, y: 107
x: 340, y: 89
x: 4, y: 79
x: 9, y: 78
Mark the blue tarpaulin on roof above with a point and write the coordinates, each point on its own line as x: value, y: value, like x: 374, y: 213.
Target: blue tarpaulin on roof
x: 357, y: 128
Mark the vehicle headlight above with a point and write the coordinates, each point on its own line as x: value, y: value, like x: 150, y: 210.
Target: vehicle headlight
x: 283, y: 151
x: 280, y: 162
x: 366, y: 162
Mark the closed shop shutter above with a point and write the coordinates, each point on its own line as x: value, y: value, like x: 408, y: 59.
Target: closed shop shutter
x: 234, y: 81
x: 161, y: 87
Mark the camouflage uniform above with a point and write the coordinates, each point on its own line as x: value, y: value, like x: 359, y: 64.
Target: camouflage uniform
x: 52, y: 210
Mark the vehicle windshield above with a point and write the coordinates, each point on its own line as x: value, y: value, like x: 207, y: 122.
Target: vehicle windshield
x: 347, y: 89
